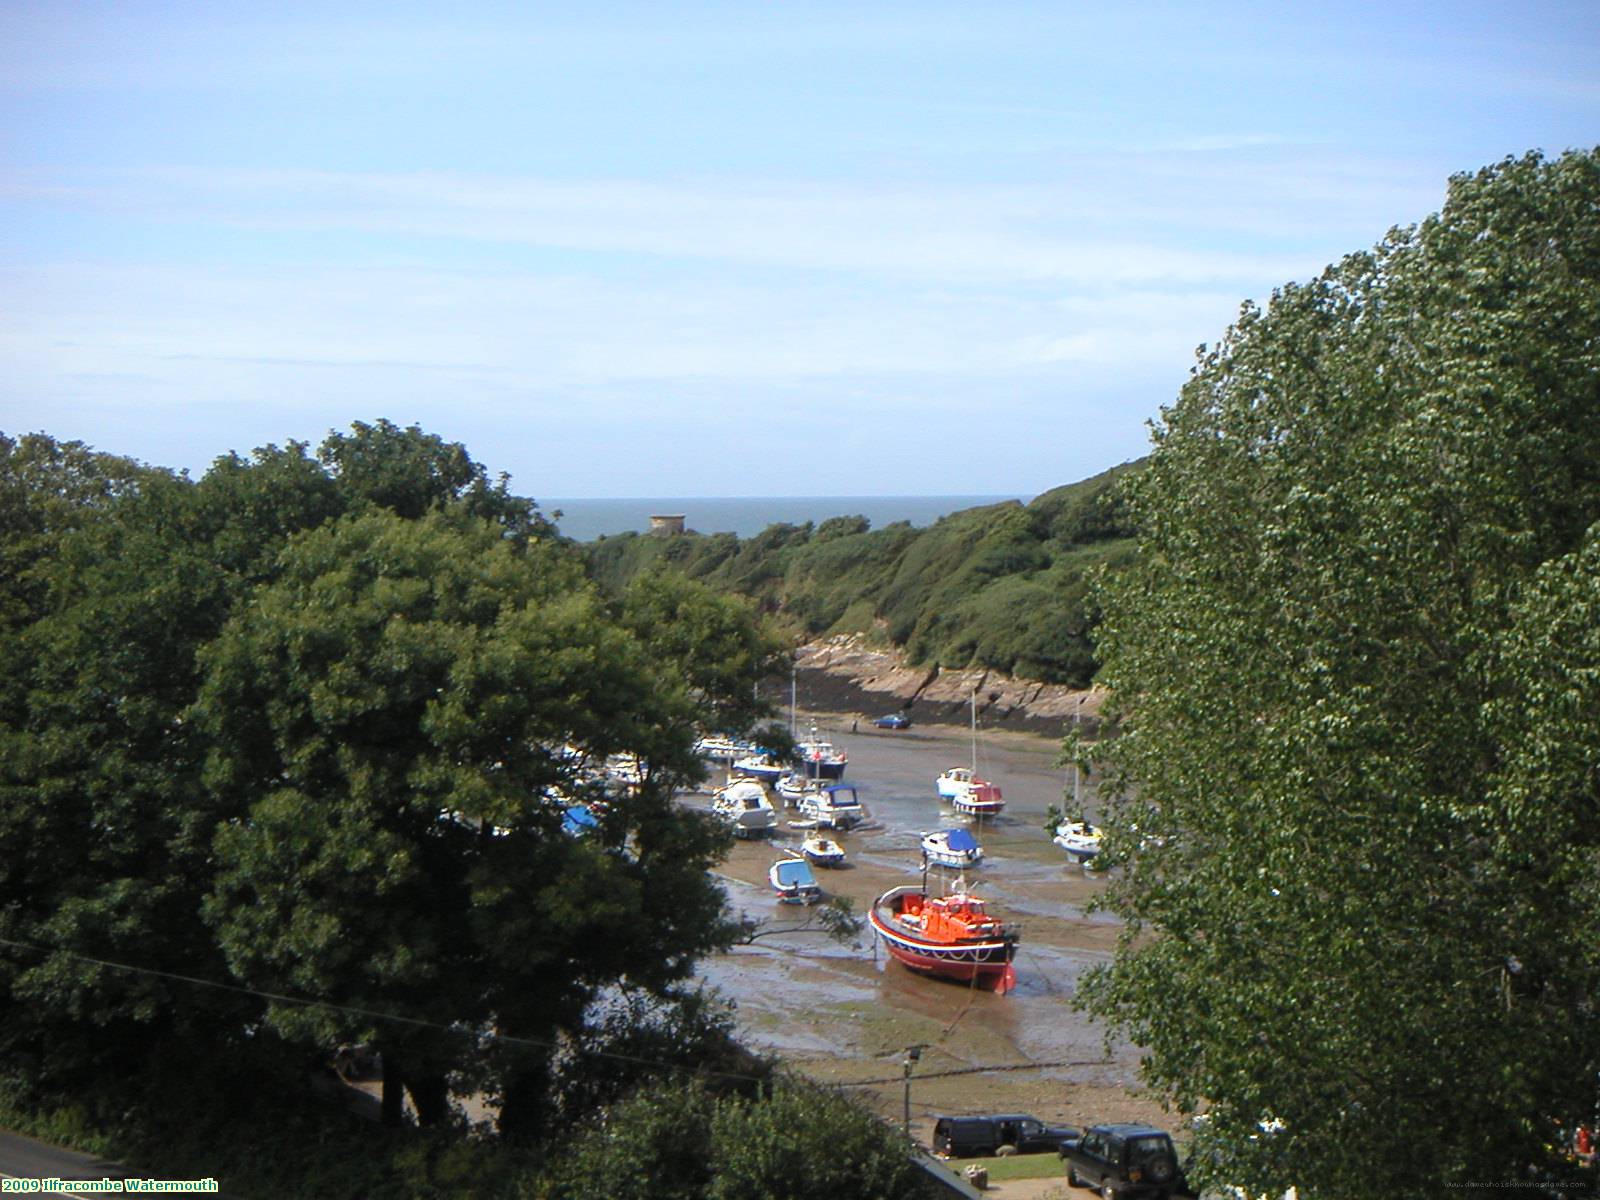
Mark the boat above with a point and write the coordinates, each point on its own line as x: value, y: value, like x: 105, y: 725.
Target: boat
x: 722, y: 749
x: 579, y: 820
x: 819, y: 759
x: 760, y: 765
x: 792, y: 880
x: 835, y: 806
x: 822, y: 851
x: 952, y: 936
x: 952, y: 848
x: 746, y: 809
x: 969, y: 795
x: 1079, y: 839
x: 794, y: 787
x: 1076, y: 836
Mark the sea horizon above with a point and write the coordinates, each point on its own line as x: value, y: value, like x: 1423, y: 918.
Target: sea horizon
x: 585, y: 520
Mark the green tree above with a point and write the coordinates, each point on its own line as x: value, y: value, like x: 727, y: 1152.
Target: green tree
x: 715, y: 642
x: 653, y: 1145
x: 1316, y: 659
x: 269, y: 723
x: 404, y: 715
x: 806, y: 1142
x: 708, y: 1138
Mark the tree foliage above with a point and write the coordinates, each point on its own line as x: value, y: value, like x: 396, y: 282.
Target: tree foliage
x: 308, y: 726
x: 689, y: 1138
x: 1359, y: 754
x: 1002, y: 586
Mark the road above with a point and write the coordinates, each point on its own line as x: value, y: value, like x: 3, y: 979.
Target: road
x: 23, y: 1157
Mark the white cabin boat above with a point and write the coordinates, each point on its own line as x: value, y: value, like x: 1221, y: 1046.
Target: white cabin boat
x: 1079, y: 839
x: 835, y: 806
x: 954, y: 848
x: 746, y: 809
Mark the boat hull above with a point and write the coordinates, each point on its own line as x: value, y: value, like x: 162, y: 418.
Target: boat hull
x: 823, y: 768
x: 982, y: 962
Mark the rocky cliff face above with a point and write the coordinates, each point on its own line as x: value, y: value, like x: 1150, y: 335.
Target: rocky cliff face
x: 841, y: 674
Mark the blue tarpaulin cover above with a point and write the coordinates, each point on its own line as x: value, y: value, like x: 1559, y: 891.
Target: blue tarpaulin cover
x: 960, y: 839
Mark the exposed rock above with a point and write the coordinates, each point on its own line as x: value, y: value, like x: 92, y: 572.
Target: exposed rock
x: 842, y: 674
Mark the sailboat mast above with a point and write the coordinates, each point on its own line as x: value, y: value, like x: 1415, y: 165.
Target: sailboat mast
x: 1077, y: 780
x: 974, y: 733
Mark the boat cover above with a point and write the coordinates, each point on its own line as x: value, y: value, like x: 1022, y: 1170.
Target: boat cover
x: 578, y: 820
x: 794, y: 872
x: 960, y: 841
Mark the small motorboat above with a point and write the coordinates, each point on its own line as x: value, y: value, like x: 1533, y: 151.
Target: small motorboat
x: 835, y: 806
x: 794, y: 787
x: 793, y: 882
x: 746, y: 809
x: 822, y: 851
x: 955, y: 848
x: 952, y: 936
x: 760, y: 765
x: 1079, y: 839
x: 722, y: 749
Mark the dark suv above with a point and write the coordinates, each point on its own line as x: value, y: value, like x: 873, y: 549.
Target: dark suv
x: 1123, y: 1161
x: 1009, y: 1133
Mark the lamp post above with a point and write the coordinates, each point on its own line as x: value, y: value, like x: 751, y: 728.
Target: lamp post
x: 913, y: 1053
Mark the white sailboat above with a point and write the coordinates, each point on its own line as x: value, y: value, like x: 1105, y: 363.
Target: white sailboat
x: 968, y: 794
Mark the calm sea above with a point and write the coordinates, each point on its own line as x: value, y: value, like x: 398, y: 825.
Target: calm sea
x: 585, y: 520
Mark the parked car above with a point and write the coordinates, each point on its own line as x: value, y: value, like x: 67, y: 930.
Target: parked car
x: 893, y: 721
x: 1123, y: 1161
x: 1007, y: 1133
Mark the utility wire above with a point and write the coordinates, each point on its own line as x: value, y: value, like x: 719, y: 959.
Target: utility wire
x: 509, y: 1039
x: 371, y: 1014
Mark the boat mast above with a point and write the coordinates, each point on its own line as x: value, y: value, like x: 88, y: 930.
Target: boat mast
x: 974, y: 733
x: 1077, y: 781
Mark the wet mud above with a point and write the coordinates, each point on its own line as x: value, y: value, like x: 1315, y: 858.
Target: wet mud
x: 846, y: 1014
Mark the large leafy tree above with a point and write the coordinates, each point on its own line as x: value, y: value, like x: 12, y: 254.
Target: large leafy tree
x: 714, y: 641
x: 1359, y: 752
x: 264, y: 725
x: 406, y: 712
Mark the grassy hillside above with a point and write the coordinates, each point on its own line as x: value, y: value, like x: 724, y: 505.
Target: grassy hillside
x: 1003, y: 586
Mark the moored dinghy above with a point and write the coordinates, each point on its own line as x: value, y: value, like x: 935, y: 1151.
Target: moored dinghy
x: 822, y: 851
x: 793, y: 882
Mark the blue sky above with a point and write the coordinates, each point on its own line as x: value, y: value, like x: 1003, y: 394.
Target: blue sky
x: 712, y: 249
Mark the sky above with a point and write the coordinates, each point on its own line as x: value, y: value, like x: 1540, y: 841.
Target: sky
x: 712, y: 249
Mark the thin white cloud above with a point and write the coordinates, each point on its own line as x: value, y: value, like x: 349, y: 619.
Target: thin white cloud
x: 1012, y: 233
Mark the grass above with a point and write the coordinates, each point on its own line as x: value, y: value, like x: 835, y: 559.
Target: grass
x: 1016, y: 1166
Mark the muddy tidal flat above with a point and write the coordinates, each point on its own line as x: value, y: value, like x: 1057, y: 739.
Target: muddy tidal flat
x: 847, y: 1014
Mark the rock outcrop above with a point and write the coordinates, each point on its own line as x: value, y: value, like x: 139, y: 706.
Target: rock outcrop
x: 843, y: 674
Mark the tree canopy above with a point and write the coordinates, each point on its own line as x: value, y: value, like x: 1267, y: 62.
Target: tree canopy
x: 1359, y: 766
x: 307, y: 727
